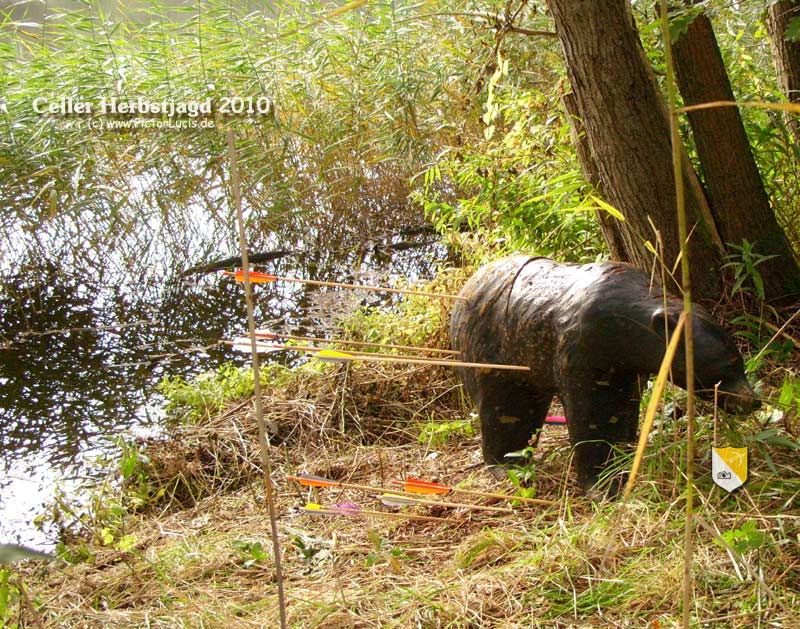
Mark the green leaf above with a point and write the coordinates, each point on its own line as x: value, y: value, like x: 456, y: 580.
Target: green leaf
x: 771, y: 437
x: 679, y: 24
x: 607, y: 207
x: 759, y: 284
x: 747, y: 537
x: 792, y: 30
x: 4, y: 593
x: 787, y: 394
x: 127, y: 466
x: 127, y: 542
x: 371, y: 559
x: 106, y: 536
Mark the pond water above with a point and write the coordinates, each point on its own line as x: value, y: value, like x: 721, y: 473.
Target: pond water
x: 85, y: 338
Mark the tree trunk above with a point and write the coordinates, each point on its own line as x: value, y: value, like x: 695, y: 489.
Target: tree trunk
x: 739, y: 203
x: 786, y: 55
x: 610, y: 227
x: 627, y: 127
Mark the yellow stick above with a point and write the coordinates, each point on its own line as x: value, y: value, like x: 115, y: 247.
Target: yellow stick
x: 650, y: 414
x: 790, y: 107
x: 263, y: 437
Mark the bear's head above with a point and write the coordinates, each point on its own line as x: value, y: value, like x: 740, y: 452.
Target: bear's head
x: 716, y: 360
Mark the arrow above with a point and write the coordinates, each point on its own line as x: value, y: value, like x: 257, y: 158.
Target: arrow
x: 335, y: 356
x: 255, y: 277
x: 242, y: 344
x: 273, y: 336
x: 265, y: 278
x: 351, y: 509
x: 331, y: 355
x: 396, y: 500
x: 308, y: 480
x: 417, y: 486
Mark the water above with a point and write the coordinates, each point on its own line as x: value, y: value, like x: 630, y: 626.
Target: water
x: 88, y: 330
x: 94, y: 310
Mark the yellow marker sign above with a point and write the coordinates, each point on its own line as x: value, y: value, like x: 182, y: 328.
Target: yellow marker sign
x: 729, y: 467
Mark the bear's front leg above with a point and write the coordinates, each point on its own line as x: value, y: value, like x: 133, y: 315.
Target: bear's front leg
x: 601, y: 409
x: 510, y: 413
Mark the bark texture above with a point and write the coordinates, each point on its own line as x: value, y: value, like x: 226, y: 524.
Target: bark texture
x: 627, y: 127
x: 739, y: 204
x: 786, y: 55
x: 610, y: 227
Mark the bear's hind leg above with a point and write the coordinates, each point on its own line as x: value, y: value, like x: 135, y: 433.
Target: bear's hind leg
x: 510, y: 414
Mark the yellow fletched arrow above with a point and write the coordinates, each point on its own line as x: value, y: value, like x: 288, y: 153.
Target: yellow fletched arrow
x: 334, y: 356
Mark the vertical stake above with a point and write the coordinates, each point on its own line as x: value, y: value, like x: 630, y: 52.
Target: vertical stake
x: 259, y: 410
x: 677, y: 167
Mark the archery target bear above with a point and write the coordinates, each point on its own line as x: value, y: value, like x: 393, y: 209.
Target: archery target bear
x: 587, y: 332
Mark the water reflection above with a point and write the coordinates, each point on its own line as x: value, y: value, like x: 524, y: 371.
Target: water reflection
x: 81, y: 350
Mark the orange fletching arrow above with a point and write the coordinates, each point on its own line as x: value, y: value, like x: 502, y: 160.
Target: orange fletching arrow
x: 265, y: 277
x: 417, y: 486
x: 256, y: 277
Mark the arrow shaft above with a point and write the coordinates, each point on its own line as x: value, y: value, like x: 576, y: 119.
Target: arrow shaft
x: 461, y: 505
x: 486, y: 494
x: 385, y: 358
x: 350, y: 355
x: 324, y: 482
x: 257, y: 277
x: 380, y: 514
x: 313, y: 339
x: 378, y: 289
x: 381, y: 358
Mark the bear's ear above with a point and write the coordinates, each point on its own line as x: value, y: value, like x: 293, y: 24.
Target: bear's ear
x: 664, y: 320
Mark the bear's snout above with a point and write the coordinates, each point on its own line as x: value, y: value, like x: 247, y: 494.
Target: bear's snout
x: 740, y: 399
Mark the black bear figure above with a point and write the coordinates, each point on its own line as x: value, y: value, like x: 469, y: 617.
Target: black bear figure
x: 586, y: 332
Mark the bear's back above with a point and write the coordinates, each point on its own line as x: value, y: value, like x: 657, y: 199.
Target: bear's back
x: 547, y: 302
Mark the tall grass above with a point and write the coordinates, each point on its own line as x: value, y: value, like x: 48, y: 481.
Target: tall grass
x: 360, y: 102
x: 364, y: 103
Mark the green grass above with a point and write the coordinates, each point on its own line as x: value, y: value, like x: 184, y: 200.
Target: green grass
x: 573, y: 563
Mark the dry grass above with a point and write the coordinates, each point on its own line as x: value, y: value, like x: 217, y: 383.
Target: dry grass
x: 193, y: 557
